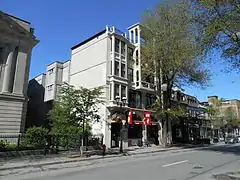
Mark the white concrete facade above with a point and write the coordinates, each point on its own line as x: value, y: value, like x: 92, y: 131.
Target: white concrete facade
x: 56, y: 74
x: 110, y: 59
x: 16, y: 43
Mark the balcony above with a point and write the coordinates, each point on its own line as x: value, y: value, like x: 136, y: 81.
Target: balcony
x: 145, y: 86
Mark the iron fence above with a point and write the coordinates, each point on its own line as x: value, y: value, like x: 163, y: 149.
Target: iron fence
x: 48, y: 143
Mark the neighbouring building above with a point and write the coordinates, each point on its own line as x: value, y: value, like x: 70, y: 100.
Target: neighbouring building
x: 16, y: 43
x: 43, y: 90
x: 232, y: 106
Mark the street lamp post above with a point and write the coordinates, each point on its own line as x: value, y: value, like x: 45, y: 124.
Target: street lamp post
x: 123, y: 122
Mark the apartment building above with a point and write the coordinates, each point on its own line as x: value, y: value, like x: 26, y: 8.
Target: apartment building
x: 16, y: 43
x: 232, y: 106
x: 43, y: 90
x: 57, y: 73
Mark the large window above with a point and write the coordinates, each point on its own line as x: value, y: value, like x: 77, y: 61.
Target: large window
x: 150, y: 100
x: 138, y: 100
x: 123, y: 91
x: 123, y: 48
x: 123, y: 70
x: 1, y: 55
x: 132, y: 99
x: 137, y: 57
x: 110, y: 91
x: 116, y: 70
x: 116, y: 90
x: 137, y: 75
x: 130, y: 74
x: 117, y: 44
x: 130, y: 52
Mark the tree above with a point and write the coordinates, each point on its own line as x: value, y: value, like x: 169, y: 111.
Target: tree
x: 230, y: 119
x: 220, y: 22
x: 75, y: 110
x: 171, y: 54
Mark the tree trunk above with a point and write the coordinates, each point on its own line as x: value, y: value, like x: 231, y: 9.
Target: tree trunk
x: 164, y: 138
x: 170, y: 131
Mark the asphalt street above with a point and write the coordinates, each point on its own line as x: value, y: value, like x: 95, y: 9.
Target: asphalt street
x: 198, y: 164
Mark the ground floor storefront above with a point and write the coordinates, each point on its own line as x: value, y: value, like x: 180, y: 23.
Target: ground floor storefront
x: 137, y: 133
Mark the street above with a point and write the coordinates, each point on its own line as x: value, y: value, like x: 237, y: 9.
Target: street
x: 195, y: 164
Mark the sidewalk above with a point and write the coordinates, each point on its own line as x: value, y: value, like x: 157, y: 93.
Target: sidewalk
x: 27, y: 163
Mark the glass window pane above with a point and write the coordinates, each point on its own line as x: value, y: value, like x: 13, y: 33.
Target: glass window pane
x: 123, y: 50
x: 116, y: 68
x: 117, y: 43
x: 123, y: 70
x: 116, y: 90
x: 123, y: 91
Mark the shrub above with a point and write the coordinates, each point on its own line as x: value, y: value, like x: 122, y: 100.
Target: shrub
x: 35, y: 136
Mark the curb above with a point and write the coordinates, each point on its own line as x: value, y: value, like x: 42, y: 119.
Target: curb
x: 96, y: 158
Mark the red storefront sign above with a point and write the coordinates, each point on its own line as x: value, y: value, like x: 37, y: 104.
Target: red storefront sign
x: 130, y: 118
x: 147, y: 118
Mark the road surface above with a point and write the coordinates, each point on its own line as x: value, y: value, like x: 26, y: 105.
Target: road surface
x: 198, y: 164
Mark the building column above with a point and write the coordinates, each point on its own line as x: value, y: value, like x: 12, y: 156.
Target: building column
x: 139, y: 37
x: 8, y: 68
x: 20, y: 72
x: 107, y: 133
x: 113, y: 55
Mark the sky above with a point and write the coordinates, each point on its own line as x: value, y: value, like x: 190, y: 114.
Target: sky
x: 61, y: 24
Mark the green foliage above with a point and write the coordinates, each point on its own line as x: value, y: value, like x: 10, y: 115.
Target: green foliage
x: 230, y: 119
x: 220, y: 22
x: 172, y: 55
x: 35, y: 136
x: 171, y: 46
x: 75, y: 107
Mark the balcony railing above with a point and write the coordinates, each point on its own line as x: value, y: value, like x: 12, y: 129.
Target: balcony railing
x: 145, y: 85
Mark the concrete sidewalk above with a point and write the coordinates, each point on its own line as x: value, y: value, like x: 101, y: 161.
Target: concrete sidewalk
x: 16, y: 164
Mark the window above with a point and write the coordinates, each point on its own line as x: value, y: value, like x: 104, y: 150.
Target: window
x: 117, y: 42
x: 123, y: 70
x: 137, y: 57
x: 50, y: 71
x: 116, y: 90
x: 111, y: 44
x: 130, y: 52
x: 138, y: 100
x: 137, y: 75
x: 132, y: 34
x: 136, y: 35
x: 1, y: 55
x: 130, y: 74
x: 111, y: 69
x: 123, y: 91
x: 50, y: 88
x: 123, y: 50
x: 150, y: 100
x: 116, y: 68
x: 110, y: 91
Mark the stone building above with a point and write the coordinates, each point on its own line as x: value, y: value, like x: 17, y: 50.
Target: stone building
x: 16, y: 43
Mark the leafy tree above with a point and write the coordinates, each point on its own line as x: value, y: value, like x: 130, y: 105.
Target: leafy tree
x: 171, y: 54
x: 75, y: 110
x: 220, y: 22
x: 230, y: 119
x: 214, y: 113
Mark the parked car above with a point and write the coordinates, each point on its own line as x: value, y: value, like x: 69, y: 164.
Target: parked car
x: 231, y: 139
x: 238, y: 138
